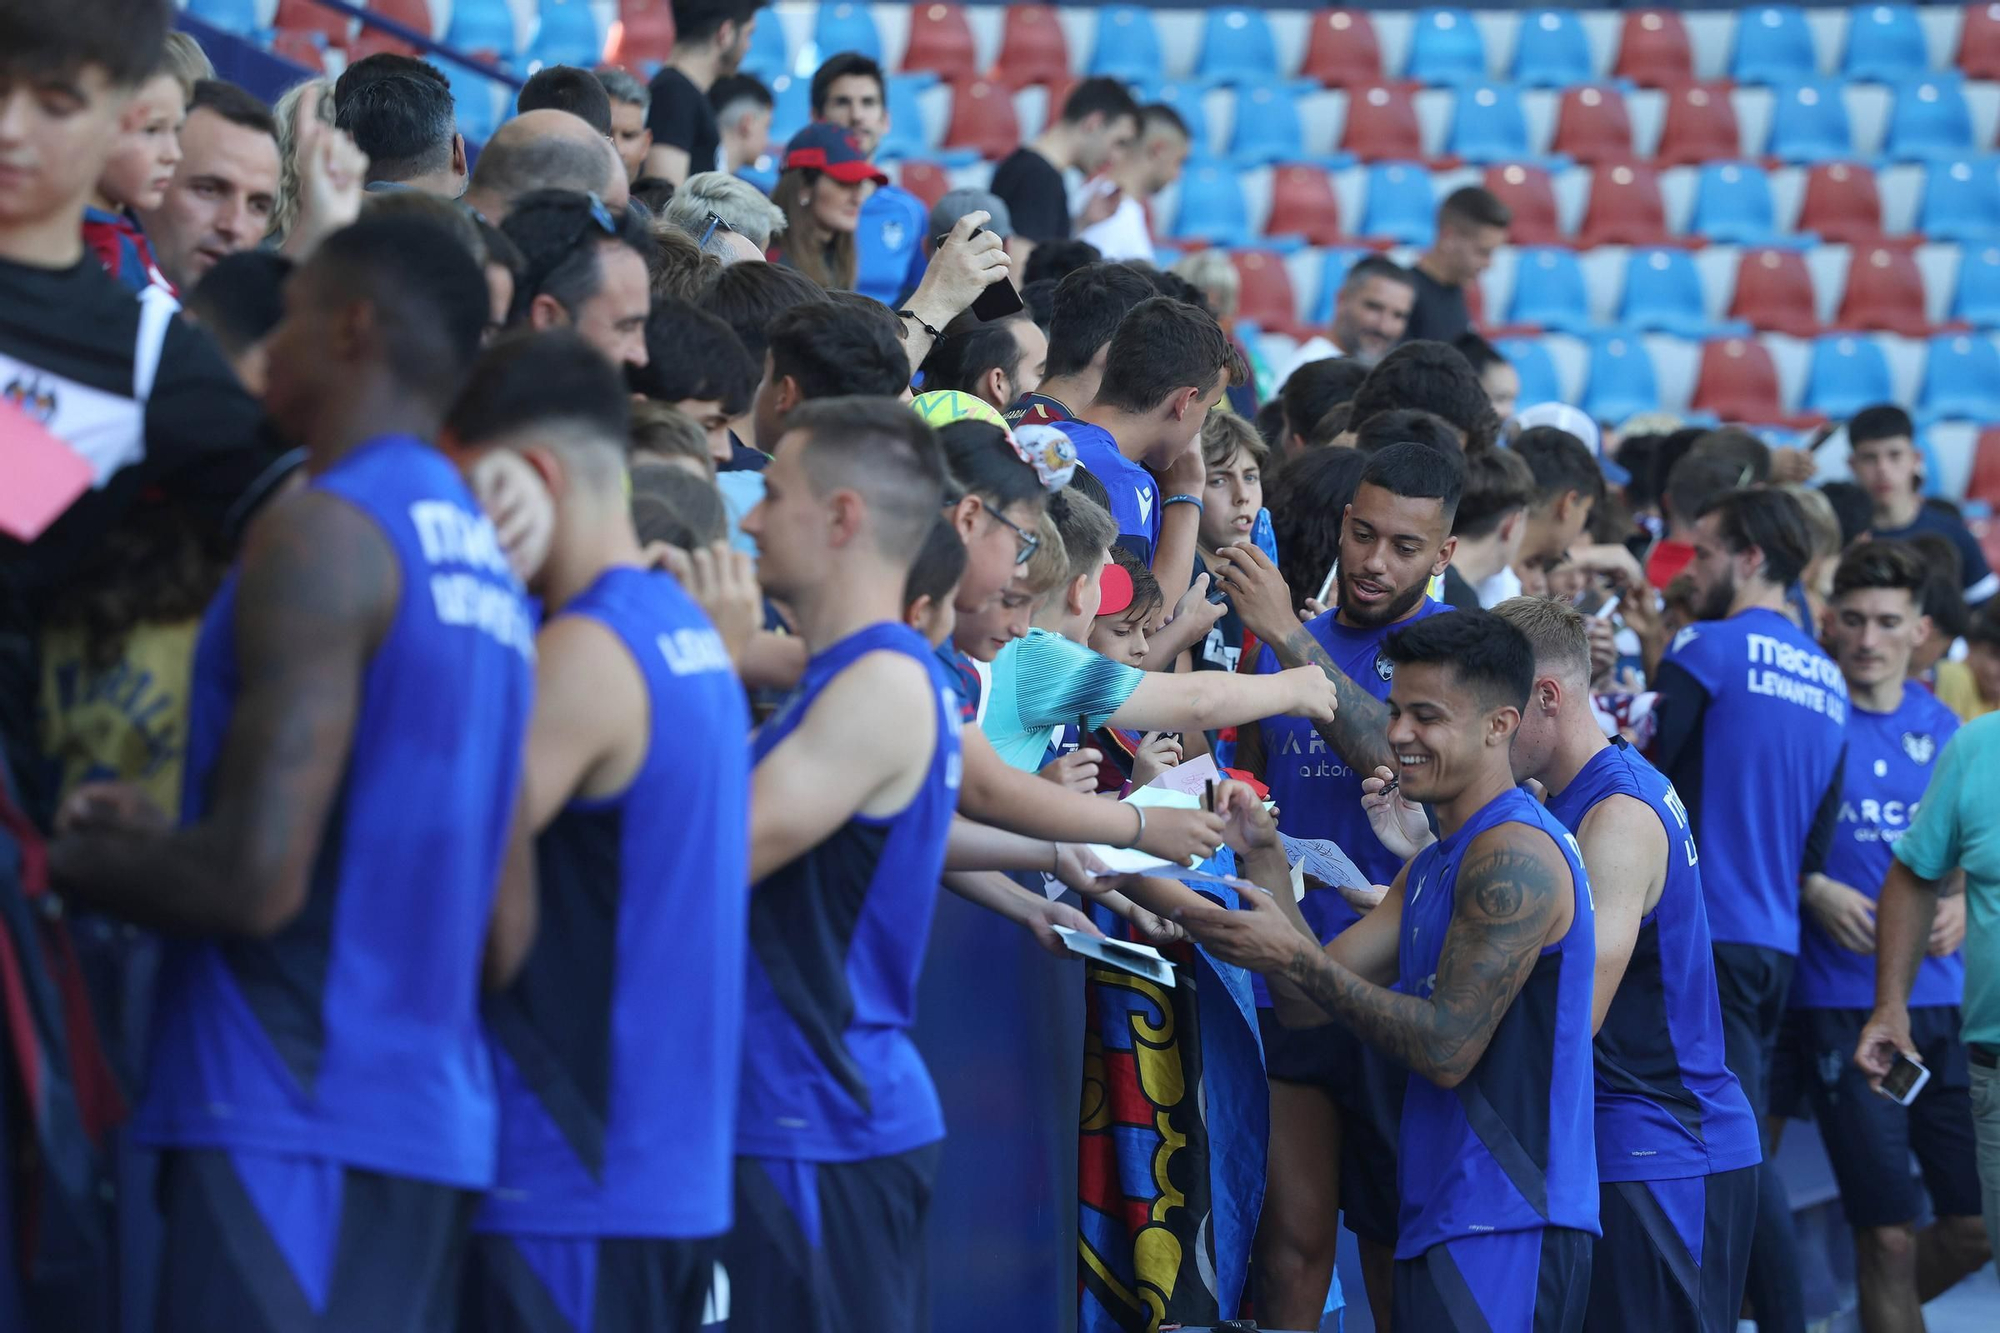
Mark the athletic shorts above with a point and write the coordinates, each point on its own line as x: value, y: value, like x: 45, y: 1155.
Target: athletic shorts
x: 830, y: 1247
x: 586, y: 1284
x: 1674, y: 1252
x: 1368, y: 1088
x: 1753, y: 984
x: 1509, y: 1282
x: 1869, y: 1139
x: 270, y: 1243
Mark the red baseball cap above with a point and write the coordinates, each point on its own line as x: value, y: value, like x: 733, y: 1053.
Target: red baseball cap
x: 826, y: 147
x: 1117, y: 586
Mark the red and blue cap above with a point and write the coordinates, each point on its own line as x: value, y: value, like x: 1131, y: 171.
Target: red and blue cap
x: 826, y: 147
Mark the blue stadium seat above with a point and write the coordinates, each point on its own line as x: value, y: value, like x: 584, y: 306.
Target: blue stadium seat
x: 1551, y: 50
x: 1332, y: 272
x: 1846, y: 374
x: 1399, y: 203
x: 1446, y: 48
x: 1128, y: 45
x: 1185, y: 98
x: 474, y: 96
x: 1961, y: 201
x: 1663, y: 294
x: 1961, y: 379
x: 1809, y: 123
x: 791, y: 95
x: 1773, y: 45
x: 1929, y: 118
x: 1537, y: 369
x: 1885, y: 44
x: 1212, y: 207
x: 1549, y: 291
x: 1620, y: 380
x: 237, y: 16
x: 906, y: 117
x: 1487, y: 124
x: 1237, y: 47
x: 1977, y: 299
x: 1267, y: 126
x: 1732, y: 204
x: 840, y: 25
x: 768, y: 56
x: 483, y: 25
x: 568, y: 35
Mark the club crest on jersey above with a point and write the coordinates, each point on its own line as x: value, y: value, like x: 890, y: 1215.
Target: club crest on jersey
x: 36, y: 397
x: 892, y: 235
x: 1384, y: 668
x: 1921, y: 746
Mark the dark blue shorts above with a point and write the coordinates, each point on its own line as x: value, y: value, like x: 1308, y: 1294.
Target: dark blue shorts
x: 1509, y: 1282
x: 1869, y: 1139
x: 587, y: 1284
x: 1753, y: 984
x: 266, y: 1243
x: 1674, y: 1252
x: 1368, y: 1088
x: 830, y: 1247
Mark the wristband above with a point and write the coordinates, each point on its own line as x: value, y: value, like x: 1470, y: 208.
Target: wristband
x: 1140, y: 811
x: 1194, y: 500
x: 936, y: 335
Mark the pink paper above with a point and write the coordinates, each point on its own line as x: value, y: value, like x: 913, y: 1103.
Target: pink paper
x: 40, y: 476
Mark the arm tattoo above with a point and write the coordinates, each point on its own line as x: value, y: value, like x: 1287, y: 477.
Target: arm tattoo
x: 1506, y: 901
x: 1359, y: 731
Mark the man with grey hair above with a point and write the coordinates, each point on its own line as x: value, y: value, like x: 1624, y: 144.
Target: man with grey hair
x: 728, y: 216
x: 630, y: 100
x: 545, y: 150
x: 400, y: 112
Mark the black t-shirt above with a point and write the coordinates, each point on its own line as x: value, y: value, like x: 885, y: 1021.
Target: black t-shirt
x: 1033, y: 191
x: 1457, y: 592
x: 1439, y: 311
x: 681, y: 117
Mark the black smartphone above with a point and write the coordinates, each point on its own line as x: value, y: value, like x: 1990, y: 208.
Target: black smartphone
x: 999, y: 300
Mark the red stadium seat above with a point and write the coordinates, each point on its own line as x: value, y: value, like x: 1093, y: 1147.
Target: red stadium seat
x: 1738, y: 381
x: 1654, y: 51
x: 374, y: 42
x: 1700, y: 127
x: 1625, y: 208
x: 1774, y: 293
x: 1885, y: 291
x: 1266, y: 298
x: 304, y: 16
x: 301, y: 48
x: 1842, y: 204
x: 926, y: 180
x: 1985, y: 481
x: 1382, y: 124
x: 983, y: 119
x: 1343, y: 51
x: 645, y: 35
x: 1979, y: 42
x: 1302, y: 204
x: 941, y: 42
x: 1530, y: 194
x: 1593, y: 126
x: 410, y: 13
x: 1032, y: 48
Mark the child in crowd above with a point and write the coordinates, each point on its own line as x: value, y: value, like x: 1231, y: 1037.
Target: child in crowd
x: 1971, y: 688
x: 1231, y: 497
x: 668, y: 436
x: 1132, y: 600
x: 136, y: 177
x: 927, y: 593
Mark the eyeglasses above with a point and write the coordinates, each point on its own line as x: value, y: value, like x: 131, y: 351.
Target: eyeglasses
x: 708, y: 232
x: 1030, y: 541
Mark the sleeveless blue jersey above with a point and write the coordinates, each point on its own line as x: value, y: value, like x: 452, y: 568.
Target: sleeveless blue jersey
x: 1666, y: 1106
x: 1510, y: 1148
x: 1769, y: 749
x: 353, y: 1033
x: 1890, y: 758
x: 617, y: 1049
x: 837, y: 943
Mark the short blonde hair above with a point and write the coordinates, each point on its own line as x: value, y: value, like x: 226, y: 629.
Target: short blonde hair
x: 1224, y: 435
x: 186, y: 61
x: 1216, y: 276
x: 286, y: 114
x: 1048, y: 567
x: 660, y: 431
x: 740, y: 205
x: 1820, y: 518
x: 1555, y: 631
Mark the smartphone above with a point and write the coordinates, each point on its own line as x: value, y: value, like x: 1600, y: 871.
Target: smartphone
x: 997, y: 301
x: 1905, y: 1079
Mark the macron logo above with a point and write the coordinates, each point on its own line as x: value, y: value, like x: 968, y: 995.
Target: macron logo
x: 1145, y: 504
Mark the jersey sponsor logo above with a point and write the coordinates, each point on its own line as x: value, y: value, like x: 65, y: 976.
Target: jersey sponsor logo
x: 1145, y: 504
x: 1314, y: 745
x: 1795, y: 675
x: 1921, y: 746
x: 1878, y: 821
x: 691, y: 652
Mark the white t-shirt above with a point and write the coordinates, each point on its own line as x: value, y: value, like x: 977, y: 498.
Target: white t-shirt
x: 1123, y: 235
x: 1499, y: 588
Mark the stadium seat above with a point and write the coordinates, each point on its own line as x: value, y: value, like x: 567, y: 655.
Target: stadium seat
x: 1961, y: 379
x: 1237, y: 48
x: 1774, y: 293
x: 906, y: 117
x: 1732, y: 204
x: 1551, y: 50
x: 1445, y: 48
x: 1663, y: 294
x: 1929, y: 118
x: 1032, y: 47
x: 1593, y: 126
x: 1333, y: 268
x: 375, y: 41
x: 1654, y: 50
x: 1885, y: 291
x: 769, y: 55
x: 1979, y: 42
x: 1738, y: 381
x: 1186, y: 100
x: 568, y: 35
x: 476, y: 25
x: 1303, y: 204
x: 1537, y: 369
x: 1885, y: 44
x: 303, y: 16
x: 1531, y: 196
x: 237, y: 16
x: 842, y: 25
x: 941, y: 42
x: 1487, y: 124
x: 1549, y: 291
x: 1128, y: 45
x: 1343, y: 50
x: 1842, y: 205
x: 474, y: 94
x: 1809, y: 123
x: 1700, y: 126
x: 1976, y: 300
x: 1625, y: 207
x: 926, y: 180
x: 1399, y: 204
x: 1211, y: 207
x: 1267, y: 126
x: 1846, y: 374
x: 645, y: 36
x: 792, y: 95
x: 1266, y: 298
x: 1773, y: 45
x: 1961, y: 202
x: 416, y: 15
x: 1382, y: 124
x: 983, y: 119
x: 1620, y: 381
x: 307, y: 50
x: 1985, y: 482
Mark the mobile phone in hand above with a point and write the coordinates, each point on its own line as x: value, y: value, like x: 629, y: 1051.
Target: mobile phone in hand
x: 997, y: 301
x: 1905, y: 1079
